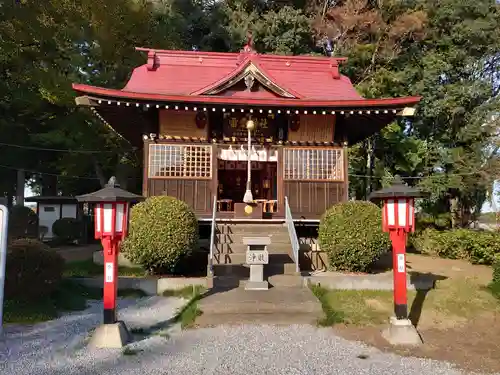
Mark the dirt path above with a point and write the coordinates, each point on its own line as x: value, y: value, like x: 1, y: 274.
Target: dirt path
x: 459, y: 322
x: 473, y: 347
x: 450, y: 268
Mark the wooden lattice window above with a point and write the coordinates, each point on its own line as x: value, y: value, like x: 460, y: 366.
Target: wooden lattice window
x: 189, y: 161
x: 313, y: 164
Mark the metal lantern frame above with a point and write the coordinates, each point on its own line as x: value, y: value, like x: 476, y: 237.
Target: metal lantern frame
x: 111, y: 219
x: 111, y: 211
x: 398, y: 212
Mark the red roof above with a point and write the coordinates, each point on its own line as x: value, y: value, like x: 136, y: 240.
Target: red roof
x: 189, y: 72
x: 194, y: 76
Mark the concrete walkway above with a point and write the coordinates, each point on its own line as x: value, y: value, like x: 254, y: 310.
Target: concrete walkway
x: 279, y: 305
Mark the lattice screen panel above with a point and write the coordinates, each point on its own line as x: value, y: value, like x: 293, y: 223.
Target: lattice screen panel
x: 189, y: 161
x: 313, y: 164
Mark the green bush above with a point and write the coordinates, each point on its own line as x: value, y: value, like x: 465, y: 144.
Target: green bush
x: 68, y: 229
x: 23, y: 223
x: 478, y: 247
x: 163, y: 230
x: 494, y: 286
x: 33, y: 270
x: 496, y: 270
x: 440, y: 222
x: 351, y: 234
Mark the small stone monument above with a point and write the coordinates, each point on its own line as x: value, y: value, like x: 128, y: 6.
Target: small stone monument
x: 256, y: 256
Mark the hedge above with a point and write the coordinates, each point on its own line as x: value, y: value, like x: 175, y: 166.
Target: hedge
x: 68, y: 229
x: 33, y: 270
x: 351, y: 234
x: 478, y: 247
x: 163, y: 230
x: 23, y: 223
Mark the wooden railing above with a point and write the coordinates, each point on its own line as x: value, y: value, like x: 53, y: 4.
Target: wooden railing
x: 212, y: 236
x: 293, y: 235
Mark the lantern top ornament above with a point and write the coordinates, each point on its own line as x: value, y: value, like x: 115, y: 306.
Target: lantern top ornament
x: 398, y: 189
x: 110, y: 193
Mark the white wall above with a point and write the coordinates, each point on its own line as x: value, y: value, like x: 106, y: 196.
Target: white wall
x: 69, y: 210
x: 48, y: 213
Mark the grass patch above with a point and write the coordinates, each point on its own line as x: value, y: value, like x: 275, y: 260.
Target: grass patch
x: 186, y: 292
x: 331, y: 316
x: 494, y: 289
x: 188, y: 314
x: 87, y: 268
x: 452, y: 302
x: 70, y: 296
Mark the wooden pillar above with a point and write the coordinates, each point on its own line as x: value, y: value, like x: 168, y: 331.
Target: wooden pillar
x: 280, y: 184
x: 214, y: 185
x: 145, y: 169
x: 345, y: 158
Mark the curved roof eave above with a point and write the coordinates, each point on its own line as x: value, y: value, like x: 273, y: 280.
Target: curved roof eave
x: 110, y: 94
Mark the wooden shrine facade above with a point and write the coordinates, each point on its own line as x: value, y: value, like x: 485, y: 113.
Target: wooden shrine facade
x: 195, y: 162
x: 189, y: 110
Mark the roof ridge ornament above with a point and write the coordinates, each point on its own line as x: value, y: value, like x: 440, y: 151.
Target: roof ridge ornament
x: 153, y: 61
x: 248, y: 48
x: 335, y: 69
x: 113, y: 183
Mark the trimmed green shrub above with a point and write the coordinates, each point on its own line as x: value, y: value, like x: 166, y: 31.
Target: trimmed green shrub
x: 494, y: 286
x: 351, y: 234
x: 478, y: 247
x: 163, y: 230
x: 33, y: 270
x: 68, y: 229
x: 496, y: 270
x: 23, y: 223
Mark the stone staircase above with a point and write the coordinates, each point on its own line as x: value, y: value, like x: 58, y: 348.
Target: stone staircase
x: 229, y: 253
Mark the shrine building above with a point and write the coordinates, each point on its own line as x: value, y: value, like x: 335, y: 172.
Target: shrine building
x: 245, y: 139
x: 189, y: 111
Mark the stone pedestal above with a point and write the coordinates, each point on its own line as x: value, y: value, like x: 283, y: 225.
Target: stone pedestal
x: 110, y: 336
x: 256, y: 281
x: 401, y: 332
x: 257, y: 256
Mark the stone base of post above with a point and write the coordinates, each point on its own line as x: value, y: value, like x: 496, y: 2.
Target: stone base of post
x: 401, y: 332
x: 256, y: 281
x: 110, y: 336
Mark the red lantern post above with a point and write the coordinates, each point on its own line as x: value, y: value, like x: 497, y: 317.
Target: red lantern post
x: 111, y: 220
x: 398, y: 218
x: 111, y: 213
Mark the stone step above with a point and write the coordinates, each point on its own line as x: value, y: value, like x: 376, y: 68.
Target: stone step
x: 240, y: 258
x: 274, y: 318
x: 242, y: 249
x: 278, y: 305
x: 291, y: 279
x: 287, y: 300
x: 254, y: 229
x: 236, y: 272
x: 287, y: 280
x: 238, y: 238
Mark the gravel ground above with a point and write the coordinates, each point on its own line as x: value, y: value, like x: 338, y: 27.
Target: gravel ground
x: 57, y: 348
